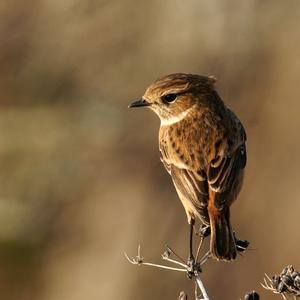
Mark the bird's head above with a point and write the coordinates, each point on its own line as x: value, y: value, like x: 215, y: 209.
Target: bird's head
x: 173, y: 96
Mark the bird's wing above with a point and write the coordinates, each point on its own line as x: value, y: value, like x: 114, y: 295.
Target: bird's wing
x: 224, y: 169
x: 190, y: 185
x: 193, y: 187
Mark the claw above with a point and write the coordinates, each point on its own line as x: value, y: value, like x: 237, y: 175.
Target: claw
x: 204, y: 231
x: 193, y: 267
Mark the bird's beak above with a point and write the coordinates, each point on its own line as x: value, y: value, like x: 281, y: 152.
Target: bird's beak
x: 139, y: 103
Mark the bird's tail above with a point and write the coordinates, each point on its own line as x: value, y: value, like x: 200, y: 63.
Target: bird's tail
x: 222, y: 242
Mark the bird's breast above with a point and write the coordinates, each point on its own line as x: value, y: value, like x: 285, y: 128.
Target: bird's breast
x: 185, y: 144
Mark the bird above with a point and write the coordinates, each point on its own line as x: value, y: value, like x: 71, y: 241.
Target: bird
x: 202, y: 145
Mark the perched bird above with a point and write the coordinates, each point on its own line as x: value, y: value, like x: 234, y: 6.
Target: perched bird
x: 202, y: 146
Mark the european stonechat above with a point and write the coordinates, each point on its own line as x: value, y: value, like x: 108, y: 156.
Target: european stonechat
x: 202, y: 146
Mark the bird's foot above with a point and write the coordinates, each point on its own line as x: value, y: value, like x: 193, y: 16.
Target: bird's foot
x: 203, y: 231
x: 193, y: 267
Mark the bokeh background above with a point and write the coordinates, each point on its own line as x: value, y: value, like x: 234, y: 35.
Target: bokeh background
x: 80, y: 176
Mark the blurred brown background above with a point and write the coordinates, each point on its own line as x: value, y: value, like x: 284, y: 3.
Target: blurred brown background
x: 80, y: 178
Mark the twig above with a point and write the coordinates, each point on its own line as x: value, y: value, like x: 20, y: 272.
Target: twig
x: 170, y: 250
x: 193, y: 268
x: 175, y: 262
x: 201, y: 287
x: 139, y: 260
x: 199, y: 247
x: 205, y: 257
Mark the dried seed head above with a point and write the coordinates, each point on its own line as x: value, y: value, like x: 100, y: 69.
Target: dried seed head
x: 241, y: 245
x: 295, y: 274
x: 281, y: 288
x: 275, y: 280
x: 284, y: 271
x: 166, y: 254
x: 182, y: 296
x: 297, y: 282
x: 287, y: 283
x: 291, y: 269
x: 252, y: 296
x: 287, y: 280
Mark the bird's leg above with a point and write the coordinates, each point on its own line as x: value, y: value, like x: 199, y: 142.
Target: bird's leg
x: 203, y: 232
x: 191, y: 263
x: 191, y: 256
x: 191, y: 259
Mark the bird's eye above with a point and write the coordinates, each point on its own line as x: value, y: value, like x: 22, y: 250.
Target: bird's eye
x: 169, y: 98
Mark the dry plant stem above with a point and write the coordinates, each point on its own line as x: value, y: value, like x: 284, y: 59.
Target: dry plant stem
x: 204, y: 259
x: 175, y: 254
x: 139, y: 260
x: 201, y: 286
x: 199, y: 247
x: 175, y: 262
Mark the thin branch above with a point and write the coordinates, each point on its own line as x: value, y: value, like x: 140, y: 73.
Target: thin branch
x: 175, y: 262
x: 199, y: 247
x: 201, y: 287
x: 205, y: 257
x: 139, y: 260
x: 170, y: 250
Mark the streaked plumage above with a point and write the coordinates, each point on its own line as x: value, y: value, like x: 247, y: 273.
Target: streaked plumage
x: 202, y: 146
